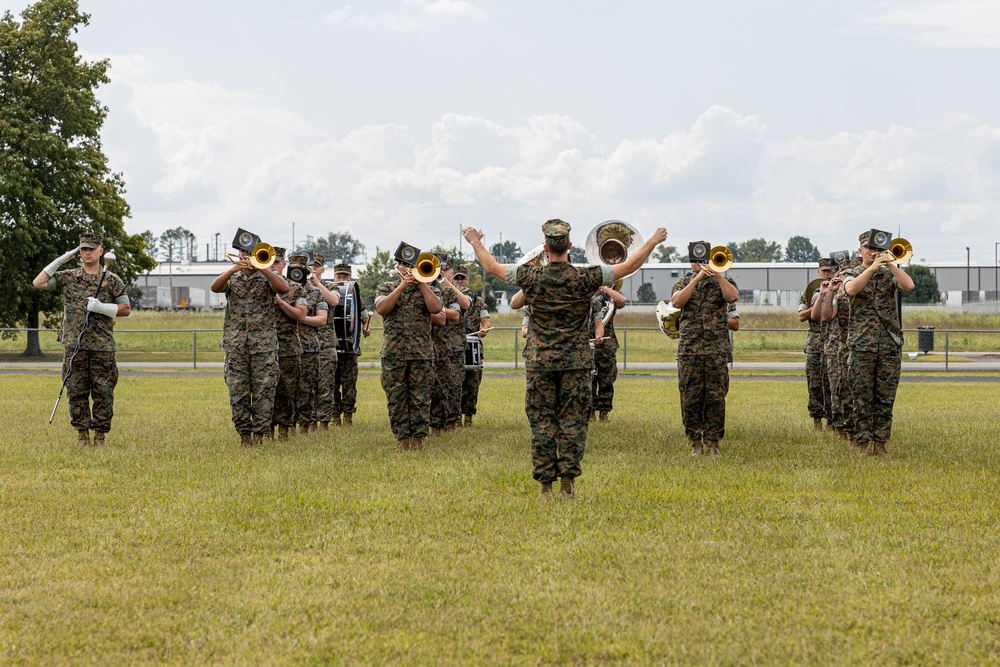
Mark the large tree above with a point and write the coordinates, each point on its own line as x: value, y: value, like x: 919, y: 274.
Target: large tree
x: 758, y: 250
x: 340, y: 247
x: 174, y: 243
x: 801, y: 249
x: 665, y: 254
x: 925, y: 286
x: 54, y: 178
x: 379, y: 269
x: 507, y: 252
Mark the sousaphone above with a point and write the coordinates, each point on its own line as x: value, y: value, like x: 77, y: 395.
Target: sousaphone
x: 668, y: 318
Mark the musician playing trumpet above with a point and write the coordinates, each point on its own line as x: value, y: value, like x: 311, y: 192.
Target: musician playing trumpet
x: 703, y: 351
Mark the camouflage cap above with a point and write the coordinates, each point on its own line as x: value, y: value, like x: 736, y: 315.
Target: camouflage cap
x: 318, y: 259
x: 825, y: 263
x: 279, y: 254
x: 556, y: 229
x: 863, y: 238
x: 298, y: 260
x: 461, y: 270
x: 89, y: 240
x: 342, y: 268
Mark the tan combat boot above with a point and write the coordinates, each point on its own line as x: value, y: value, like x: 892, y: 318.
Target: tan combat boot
x: 880, y: 449
x: 566, y: 488
x: 435, y: 432
x: 402, y: 444
x: 246, y: 440
x: 98, y: 438
x: 866, y: 449
x: 467, y: 420
x: 695, y: 447
x: 256, y: 439
x: 348, y: 419
x: 336, y: 419
x: 546, y: 492
x: 712, y: 449
x: 818, y: 423
x: 324, y: 426
x: 83, y: 437
x: 416, y: 444
x: 603, y: 416
x: 593, y: 416
x: 282, y: 433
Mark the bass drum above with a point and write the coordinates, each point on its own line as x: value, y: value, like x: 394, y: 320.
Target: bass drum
x: 347, y: 318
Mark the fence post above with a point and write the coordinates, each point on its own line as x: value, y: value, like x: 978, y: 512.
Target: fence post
x: 625, y: 349
x: 194, y: 349
x: 946, y: 351
x: 517, y: 330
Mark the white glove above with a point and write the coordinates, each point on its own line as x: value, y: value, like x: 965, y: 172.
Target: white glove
x: 51, y: 269
x: 96, y: 306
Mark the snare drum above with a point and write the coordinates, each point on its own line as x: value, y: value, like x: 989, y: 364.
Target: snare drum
x: 473, y: 351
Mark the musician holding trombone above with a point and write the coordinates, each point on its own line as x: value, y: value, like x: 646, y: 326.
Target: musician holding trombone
x: 874, y: 341
x: 704, y: 348
x: 92, y: 299
x: 557, y: 357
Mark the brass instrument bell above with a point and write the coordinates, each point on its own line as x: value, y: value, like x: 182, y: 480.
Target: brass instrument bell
x: 611, y: 242
x: 720, y: 259
x: 901, y: 250
x: 426, y: 268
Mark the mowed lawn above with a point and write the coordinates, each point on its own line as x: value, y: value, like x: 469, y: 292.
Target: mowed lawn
x: 174, y: 545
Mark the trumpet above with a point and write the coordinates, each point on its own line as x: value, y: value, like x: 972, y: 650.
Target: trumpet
x: 262, y: 256
x: 720, y: 259
x: 900, y: 251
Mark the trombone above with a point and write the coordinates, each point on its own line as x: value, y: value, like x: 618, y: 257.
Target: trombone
x: 720, y: 259
x: 426, y: 268
x: 900, y: 250
x: 262, y: 256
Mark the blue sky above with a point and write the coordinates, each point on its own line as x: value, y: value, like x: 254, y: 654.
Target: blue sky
x: 404, y: 119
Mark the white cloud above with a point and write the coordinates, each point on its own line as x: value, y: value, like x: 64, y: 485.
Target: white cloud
x: 953, y: 24
x: 453, y: 8
x: 411, y: 16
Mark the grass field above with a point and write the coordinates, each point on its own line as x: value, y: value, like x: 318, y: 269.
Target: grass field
x: 173, y: 545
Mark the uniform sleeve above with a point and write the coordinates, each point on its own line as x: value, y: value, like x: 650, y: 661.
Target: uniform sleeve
x: 322, y: 305
x: 516, y: 274
x: 57, y: 281
x: 118, y: 292
x: 607, y: 276
x: 678, y: 286
x: 733, y: 313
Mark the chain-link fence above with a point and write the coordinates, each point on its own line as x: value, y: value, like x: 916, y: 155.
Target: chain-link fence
x: 641, y: 349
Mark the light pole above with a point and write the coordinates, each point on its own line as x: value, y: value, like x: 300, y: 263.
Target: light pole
x: 996, y: 273
x: 216, y: 246
x: 968, y: 274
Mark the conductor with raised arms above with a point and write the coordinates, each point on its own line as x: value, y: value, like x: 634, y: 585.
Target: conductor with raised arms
x: 557, y: 355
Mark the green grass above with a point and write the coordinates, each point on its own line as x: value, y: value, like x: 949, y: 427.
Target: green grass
x: 173, y: 545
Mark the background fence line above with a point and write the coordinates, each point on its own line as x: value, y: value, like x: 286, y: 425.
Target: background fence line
x: 641, y: 348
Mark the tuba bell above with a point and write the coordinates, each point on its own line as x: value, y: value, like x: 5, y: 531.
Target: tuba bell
x: 611, y: 242
x: 901, y: 250
x: 536, y: 256
x: 426, y: 268
x: 811, y: 290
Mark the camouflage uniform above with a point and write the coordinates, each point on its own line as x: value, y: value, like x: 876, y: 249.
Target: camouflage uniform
x: 407, y: 360
x: 874, y: 341
x: 94, y: 374
x: 839, y: 368
x: 309, y: 364
x: 817, y: 380
x: 472, y: 377
x: 446, y: 398
x: 289, y: 353
x: 605, y: 361
x: 250, y: 342
x: 703, y: 352
x: 326, y: 389
x: 558, y: 362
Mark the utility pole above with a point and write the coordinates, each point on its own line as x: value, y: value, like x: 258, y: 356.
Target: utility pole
x: 216, y: 246
x: 968, y: 274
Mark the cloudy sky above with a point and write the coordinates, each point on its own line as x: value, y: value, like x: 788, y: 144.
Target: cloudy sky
x: 405, y: 119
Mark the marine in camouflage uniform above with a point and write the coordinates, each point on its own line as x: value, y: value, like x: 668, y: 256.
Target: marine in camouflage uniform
x: 92, y: 374
x: 606, y: 356
x: 836, y: 311
x: 407, y: 355
x: 317, y: 312
x: 346, y: 386
x: 289, y: 349
x: 817, y: 378
x: 875, y: 340
x: 557, y: 354
x: 250, y: 340
x: 477, y: 323
x: 703, y: 351
x: 326, y: 386
x: 449, y: 353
